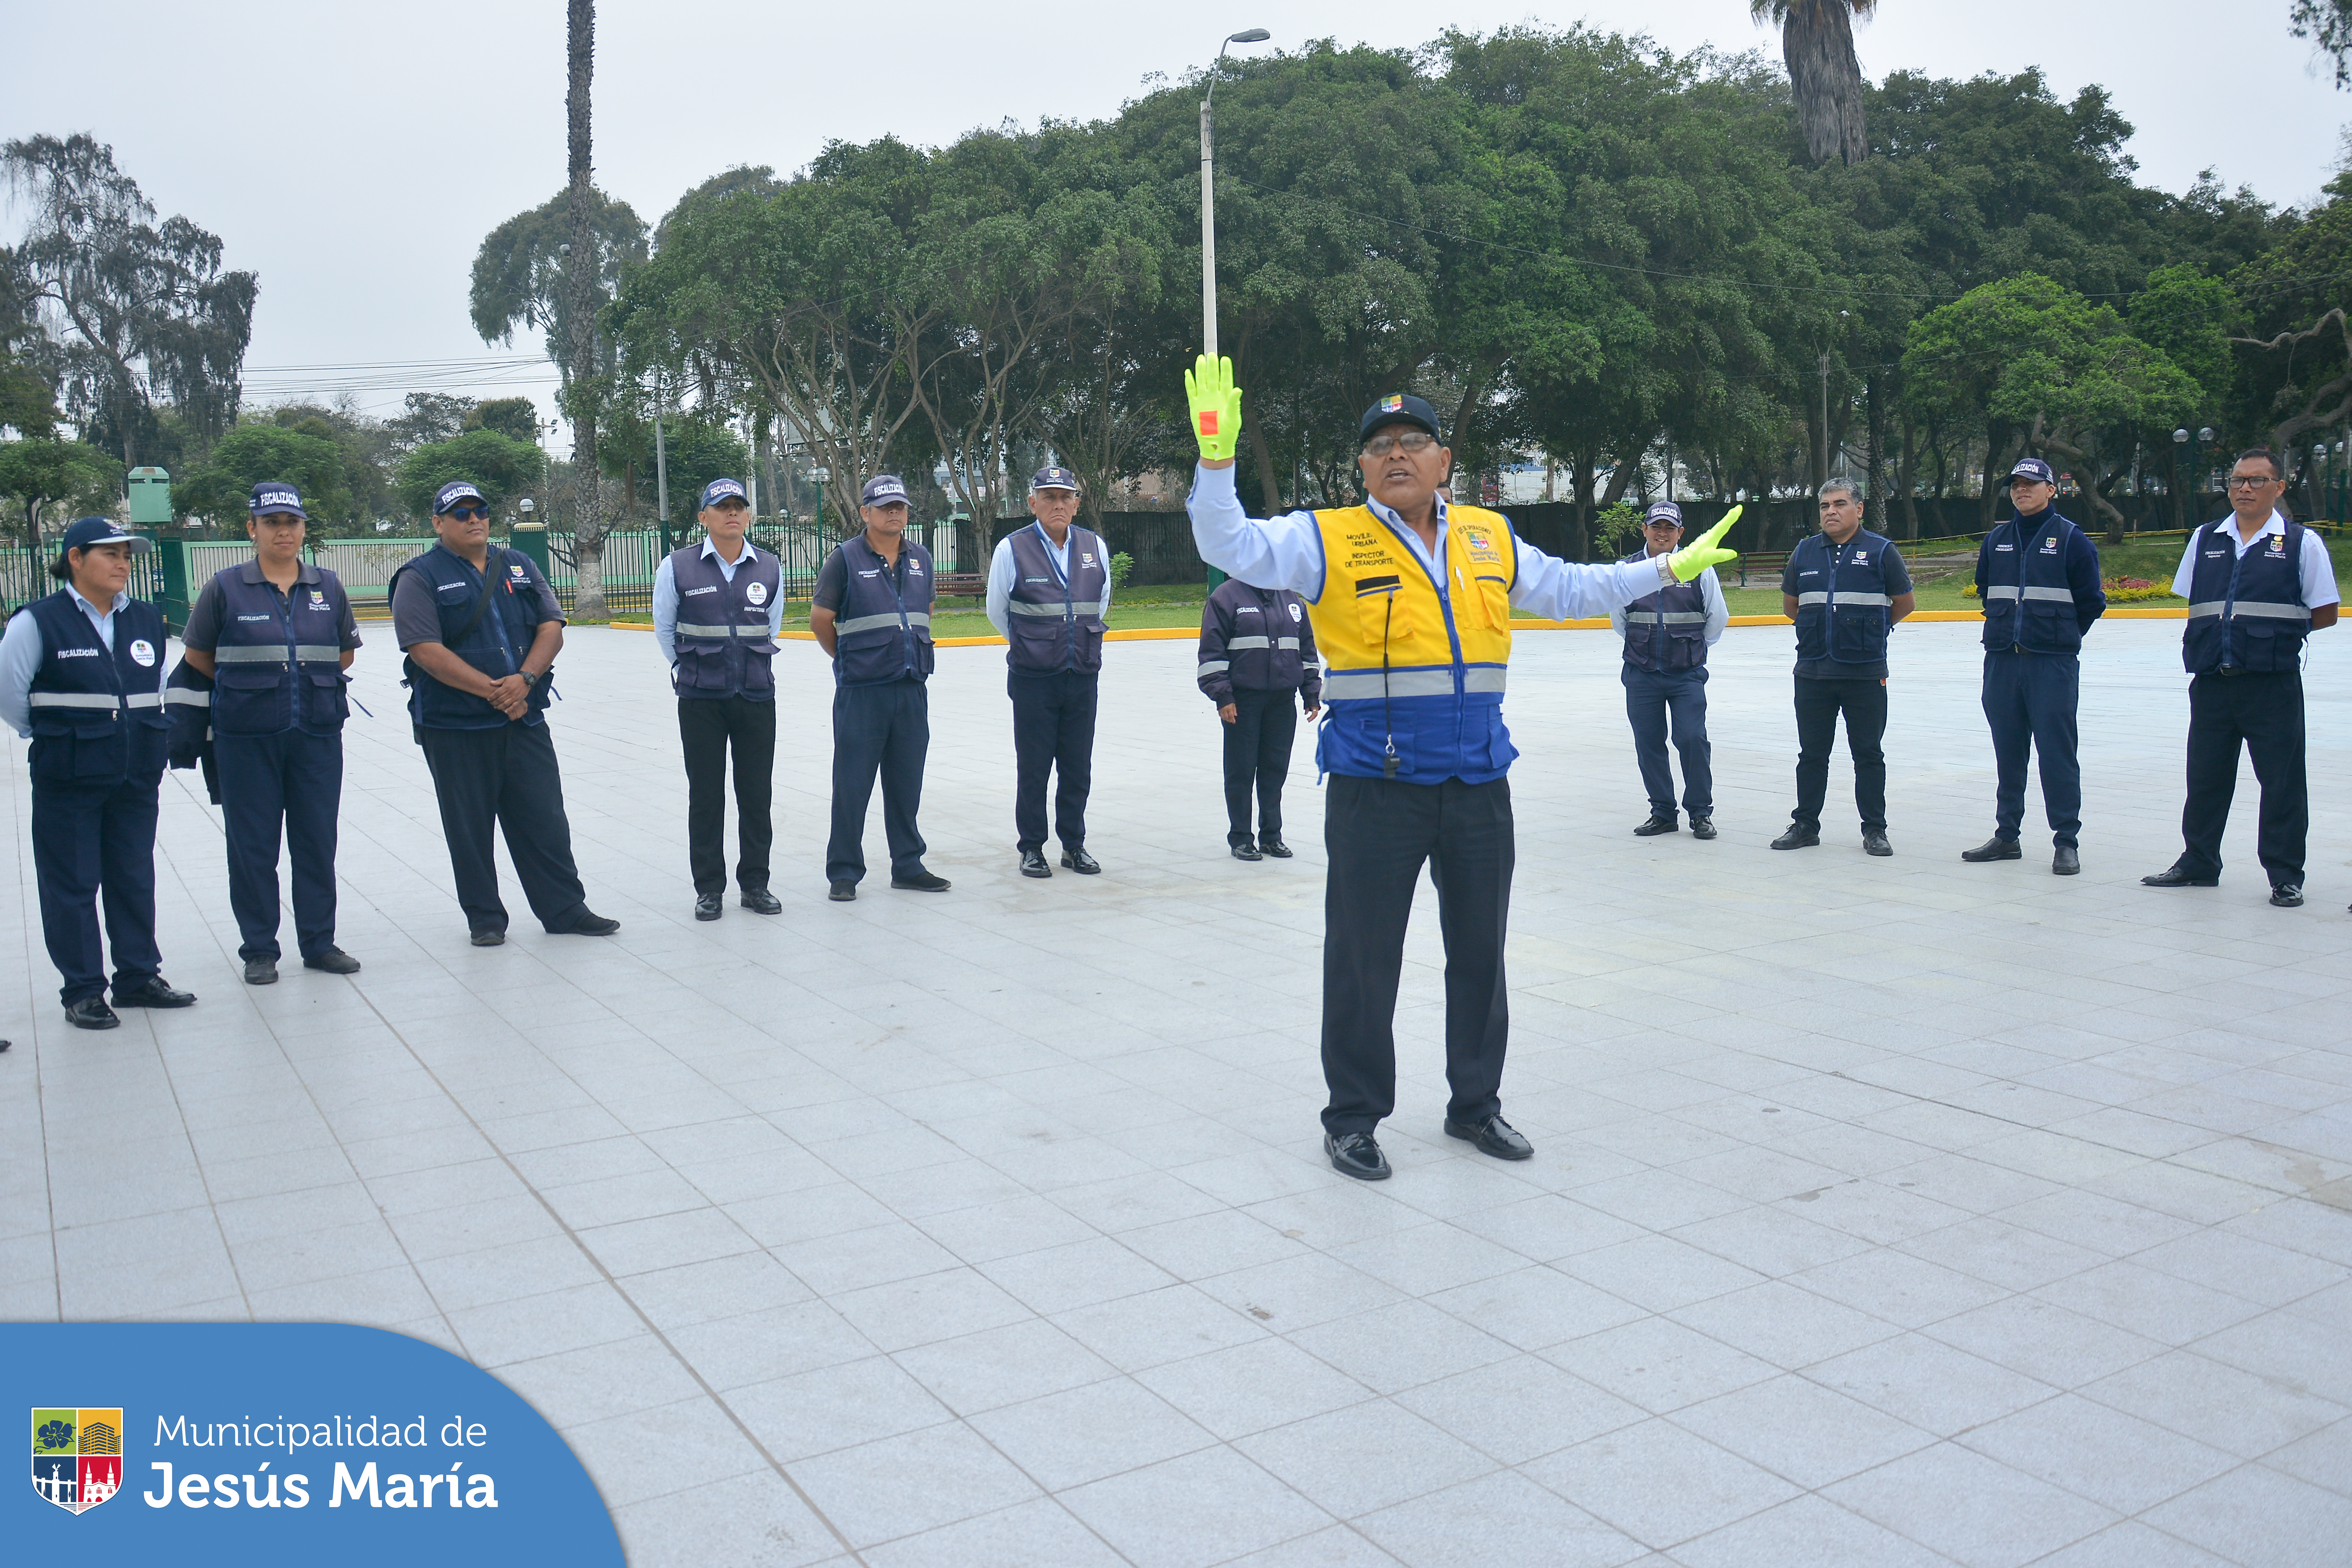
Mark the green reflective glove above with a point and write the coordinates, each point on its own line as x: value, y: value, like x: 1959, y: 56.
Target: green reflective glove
x: 1216, y: 404
x: 1701, y: 552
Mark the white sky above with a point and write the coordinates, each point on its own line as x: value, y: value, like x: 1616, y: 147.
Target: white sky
x: 354, y: 156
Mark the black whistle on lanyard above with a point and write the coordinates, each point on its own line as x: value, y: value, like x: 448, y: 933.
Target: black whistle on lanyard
x: 1388, y: 766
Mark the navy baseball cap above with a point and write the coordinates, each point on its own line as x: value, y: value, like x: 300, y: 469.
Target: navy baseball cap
x: 1397, y: 409
x: 2033, y: 468
x: 717, y: 491
x: 276, y: 494
x: 1662, y: 511
x: 453, y: 492
x: 882, y: 489
x: 88, y: 531
x: 1052, y: 477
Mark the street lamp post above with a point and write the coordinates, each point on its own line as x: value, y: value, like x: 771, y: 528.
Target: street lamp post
x: 1209, y: 194
x: 2180, y: 515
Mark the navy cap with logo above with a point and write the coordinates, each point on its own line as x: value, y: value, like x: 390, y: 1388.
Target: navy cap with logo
x: 1662, y: 511
x: 1052, y: 477
x: 88, y: 531
x: 276, y: 494
x: 1397, y: 409
x: 2033, y: 468
x: 717, y: 491
x: 453, y: 492
x: 882, y: 489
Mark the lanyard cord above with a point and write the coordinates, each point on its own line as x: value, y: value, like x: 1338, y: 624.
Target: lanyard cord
x: 1388, y: 720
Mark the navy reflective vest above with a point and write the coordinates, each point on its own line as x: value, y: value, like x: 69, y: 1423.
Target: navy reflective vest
x: 2034, y: 610
x: 1256, y: 639
x: 278, y: 663
x: 2245, y: 611
x: 500, y: 637
x: 883, y: 629
x: 1843, y: 606
x: 1056, y: 625
x: 1666, y: 631
x: 723, y: 646
x: 97, y: 716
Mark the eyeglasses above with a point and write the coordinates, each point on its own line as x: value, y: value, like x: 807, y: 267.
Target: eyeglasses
x: 1413, y: 441
x: 469, y: 513
x: 2251, y: 481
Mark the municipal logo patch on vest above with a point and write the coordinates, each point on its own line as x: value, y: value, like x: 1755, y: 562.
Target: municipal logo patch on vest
x: 1085, y: 558
x: 1861, y: 557
x: 1296, y: 615
x: 2278, y: 544
x: 76, y: 1456
x: 142, y: 653
x: 1481, y: 544
x: 317, y: 599
x: 515, y: 570
x: 757, y: 593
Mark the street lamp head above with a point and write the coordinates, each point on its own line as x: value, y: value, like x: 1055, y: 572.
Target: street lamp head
x: 1255, y: 36
x: 2205, y: 433
x: 2180, y: 438
x: 2319, y: 453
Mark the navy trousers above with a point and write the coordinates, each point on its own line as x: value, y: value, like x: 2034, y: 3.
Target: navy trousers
x: 506, y: 777
x: 881, y: 732
x: 2264, y: 713
x: 1652, y: 701
x: 1053, y: 732
x: 98, y: 834
x: 1257, y: 753
x: 290, y: 783
x: 1376, y: 833
x: 2030, y: 700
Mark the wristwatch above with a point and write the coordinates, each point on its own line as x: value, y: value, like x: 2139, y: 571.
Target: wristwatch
x: 529, y: 680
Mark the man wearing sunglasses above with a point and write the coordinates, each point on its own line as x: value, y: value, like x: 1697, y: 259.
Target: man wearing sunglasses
x: 1411, y: 597
x: 481, y: 628
x: 2257, y: 584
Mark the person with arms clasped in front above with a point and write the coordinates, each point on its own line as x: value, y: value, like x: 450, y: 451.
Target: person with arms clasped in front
x: 1257, y: 665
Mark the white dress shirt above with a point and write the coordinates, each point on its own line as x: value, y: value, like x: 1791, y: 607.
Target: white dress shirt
x: 2314, y: 571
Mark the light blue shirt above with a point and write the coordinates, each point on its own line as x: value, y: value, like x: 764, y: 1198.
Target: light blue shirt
x: 1286, y: 551
x: 665, y: 595
x: 2314, y: 573
x: 22, y: 651
x: 1001, y: 573
x: 1710, y: 592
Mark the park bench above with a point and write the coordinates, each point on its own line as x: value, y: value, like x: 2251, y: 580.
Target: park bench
x: 974, y: 584
x: 1763, y: 562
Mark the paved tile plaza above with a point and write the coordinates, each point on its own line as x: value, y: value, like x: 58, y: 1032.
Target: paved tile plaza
x: 1883, y: 1212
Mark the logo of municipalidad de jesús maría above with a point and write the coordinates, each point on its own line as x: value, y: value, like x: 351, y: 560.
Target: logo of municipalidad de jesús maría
x: 76, y: 1456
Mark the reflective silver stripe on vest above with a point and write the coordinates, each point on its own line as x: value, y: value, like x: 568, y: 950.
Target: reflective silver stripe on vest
x: 145, y: 700
x: 759, y: 630
x: 1672, y: 617
x: 1246, y: 642
x: 1287, y: 644
x: 877, y: 623
x: 1215, y: 665
x: 1362, y: 685
x: 1485, y: 677
x: 1879, y: 601
x: 2059, y: 595
x: 1077, y: 607
x: 249, y: 654
x: 182, y: 697
x: 74, y: 700
x: 2253, y: 608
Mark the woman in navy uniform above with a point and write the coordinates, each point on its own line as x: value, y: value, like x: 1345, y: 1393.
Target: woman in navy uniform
x: 81, y: 673
x: 276, y: 635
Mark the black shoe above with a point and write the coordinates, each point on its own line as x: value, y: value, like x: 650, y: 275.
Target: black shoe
x: 922, y: 882
x: 154, y: 991
x: 92, y: 1013
x: 841, y: 892
x: 2066, y: 862
x: 1873, y: 842
x: 708, y: 906
x: 486, y: 937
x: 1494, y: 1136
x: 1798, y: 837
x: 1274, y: 846
x: 333, y: 960
x: 2287, y: 896
x: 1655, y: 825
x: 761, y: 901
x: 1702, y: 828
x: 1357, y: 1155
x: 1078, y: 860
x: 590, y: 923
x: 1994, y: 848
x: 261, y: 971
x: 2174, y: 876
x: 1033, y: 864
x: 1245, y: 850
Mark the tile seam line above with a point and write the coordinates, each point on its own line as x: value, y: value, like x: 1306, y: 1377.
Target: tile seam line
x: 597, y: 1263
x: 40, y: 1080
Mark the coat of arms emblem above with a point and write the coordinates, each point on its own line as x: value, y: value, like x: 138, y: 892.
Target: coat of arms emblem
x: 76, y: 1456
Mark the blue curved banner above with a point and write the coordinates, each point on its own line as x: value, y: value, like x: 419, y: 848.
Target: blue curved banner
x: 266, y: 1443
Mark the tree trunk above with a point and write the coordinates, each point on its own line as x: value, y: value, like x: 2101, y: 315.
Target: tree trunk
x: 1907, y: 480
x: 1817, y: 42
x: 1268, y: 487
x: 1580, y: 482
x: 1988, y: 493
x: 1873, y: 497
x: 580, y: 287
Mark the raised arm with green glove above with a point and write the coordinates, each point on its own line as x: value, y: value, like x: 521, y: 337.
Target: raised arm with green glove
x: 1216, y: 404
x: 1702, y: 553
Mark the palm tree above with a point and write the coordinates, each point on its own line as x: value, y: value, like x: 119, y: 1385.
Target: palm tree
x: 1817, y: 40
x: 588, y: 521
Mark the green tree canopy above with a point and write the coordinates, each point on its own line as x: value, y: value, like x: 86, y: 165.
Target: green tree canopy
x: 310, y: 459
x: 40, y: 472
x: 499, y: 466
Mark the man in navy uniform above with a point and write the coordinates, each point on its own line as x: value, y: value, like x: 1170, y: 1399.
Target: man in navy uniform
x: 276, y: 635
x: 1846, y: 588
x: 1666, y: 636
x: 2256, y: 585
x: 1049, y: 593
x: 481, y: 628
x: 81, y: 673
x: 872, y: 612
x: 2037, y: 577
x: 718, y: 606
x: 1257, y: 665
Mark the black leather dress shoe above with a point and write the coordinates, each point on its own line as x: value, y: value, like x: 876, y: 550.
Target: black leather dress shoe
x: 1033, y: 864
x: 1081, y: 862
x: 154, y: 991
x: 590, y: 923
x: 1357, y: 1155
x: 1245, y: 850
x: 261, y: 971
x: 922, y: 882
x: 2287, y: 896
x: 1702, y: 828
x: 1994, y: 848
x: 1799, y: 837
x: 333, y: 960
x: 2174, y: 876
x: 487, y: 938
x: 1875, y: 843
x: 92, y: 1013
x: 761, y: 901
x: 841, y: 892
x: 1654, y: 825
x: 1273, y: 846
x: 2066, y: 861
x: 709, y: 906
x: 1494, y: 1136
